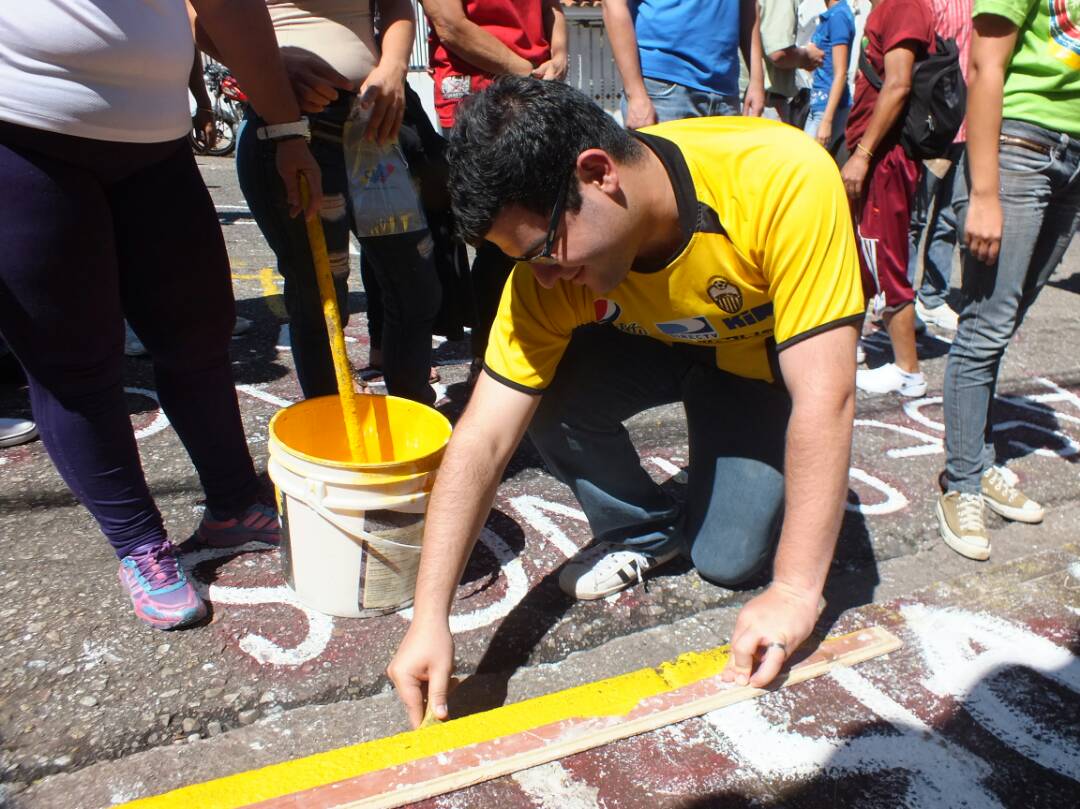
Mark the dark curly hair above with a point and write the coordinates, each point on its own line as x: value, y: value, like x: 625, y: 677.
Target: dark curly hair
x: 517, y: 142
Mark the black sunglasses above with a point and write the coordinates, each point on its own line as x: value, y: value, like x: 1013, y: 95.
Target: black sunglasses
x: 544, y: 257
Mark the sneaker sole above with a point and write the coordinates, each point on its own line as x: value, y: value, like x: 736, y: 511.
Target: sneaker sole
x: 971, y: 550
x: 1014, y: 514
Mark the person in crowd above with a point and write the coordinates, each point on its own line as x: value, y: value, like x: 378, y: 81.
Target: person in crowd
x: 880, y: 179
x: 105, y: 215
x: 471, y: 42
x: 779, y: 28
x: 710, y: 261
x: 342, y: 77
x: 681, y: 59
x: 830, y: 98
x: 1018, y: 197
x: 933, y: 211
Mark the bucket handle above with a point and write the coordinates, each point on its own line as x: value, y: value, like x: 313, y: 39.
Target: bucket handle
x: 367, y: 536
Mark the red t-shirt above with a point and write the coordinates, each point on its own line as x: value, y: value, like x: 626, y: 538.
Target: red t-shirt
x: 891, y: 23
x: 518, y: 24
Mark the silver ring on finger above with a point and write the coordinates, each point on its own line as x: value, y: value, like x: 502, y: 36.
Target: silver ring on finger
x: 776, y: 645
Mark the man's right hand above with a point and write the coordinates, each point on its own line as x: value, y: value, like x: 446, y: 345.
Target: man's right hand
x: 639, y: 112
x: 424, y: 658
x: 314, y: 82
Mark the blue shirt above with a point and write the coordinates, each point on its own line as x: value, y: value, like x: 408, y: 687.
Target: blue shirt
x: 694, y: 43
x: 835, y: 27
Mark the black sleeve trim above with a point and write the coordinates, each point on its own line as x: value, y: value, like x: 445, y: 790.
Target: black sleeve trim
x: 798, y: 338
x: 512, y: 384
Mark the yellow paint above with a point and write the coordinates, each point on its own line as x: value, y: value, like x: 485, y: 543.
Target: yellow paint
x: 360, y: 450
x: 314, y: 431
x: 613, y: 697
x: 267, y: 279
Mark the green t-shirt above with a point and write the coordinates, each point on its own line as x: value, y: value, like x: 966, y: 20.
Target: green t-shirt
x: 1042, y: 82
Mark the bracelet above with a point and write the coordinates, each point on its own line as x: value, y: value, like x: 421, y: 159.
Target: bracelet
x: 868, y: 152
x: 274, y: 132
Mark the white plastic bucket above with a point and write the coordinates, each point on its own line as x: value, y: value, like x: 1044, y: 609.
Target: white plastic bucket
x: 350, y: 538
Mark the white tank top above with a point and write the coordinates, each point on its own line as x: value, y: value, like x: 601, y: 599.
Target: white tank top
x: 97, y: 69
x: 339, y: 31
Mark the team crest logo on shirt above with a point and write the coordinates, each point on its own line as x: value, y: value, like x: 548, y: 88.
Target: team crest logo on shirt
x: 607, y: 311
x: 1065, y: 31
x: 725, y: 294
x: 694, y: 329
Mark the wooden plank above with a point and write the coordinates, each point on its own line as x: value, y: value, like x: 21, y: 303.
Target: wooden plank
x: 472, y: 764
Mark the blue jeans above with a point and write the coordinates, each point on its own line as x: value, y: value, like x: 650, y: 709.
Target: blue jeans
x: 934, y: 199
x: 730, y: 522
x: 1040, y: 198
x: 673, y: 101
x: 840, y: 117
x: 404, y: 264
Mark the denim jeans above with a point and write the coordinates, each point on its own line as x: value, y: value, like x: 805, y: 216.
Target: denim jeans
x: 403, y: 263
x: 840, y: 117
x: 934, y: 200
x: 730, y: 522
x: 673, y: 101
x: 1040, y: 198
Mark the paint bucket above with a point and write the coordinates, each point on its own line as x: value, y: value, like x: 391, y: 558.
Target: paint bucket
x: 350, y: 532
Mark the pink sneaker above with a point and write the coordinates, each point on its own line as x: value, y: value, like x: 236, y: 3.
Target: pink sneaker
x: 258, y: 524
x: 160, y: 591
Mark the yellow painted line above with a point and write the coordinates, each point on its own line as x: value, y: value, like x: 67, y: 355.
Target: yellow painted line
x: 267, y: 279
x: 612, y: 697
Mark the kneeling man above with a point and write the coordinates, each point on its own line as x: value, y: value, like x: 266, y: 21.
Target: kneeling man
x: 709, y: 261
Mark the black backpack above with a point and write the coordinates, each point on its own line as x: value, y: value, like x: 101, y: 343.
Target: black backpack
x: 936, y: 106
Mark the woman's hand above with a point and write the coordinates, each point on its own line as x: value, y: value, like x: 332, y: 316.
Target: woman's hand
x: 824, y: 132
x: 384, y: 93
x: 982, y: 227
x: 293, y: 159
x: 854, y: 175
x: 205, y: 127
x: 314, y: 82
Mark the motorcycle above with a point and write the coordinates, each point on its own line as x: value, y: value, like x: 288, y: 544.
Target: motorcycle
x: 228, y: 102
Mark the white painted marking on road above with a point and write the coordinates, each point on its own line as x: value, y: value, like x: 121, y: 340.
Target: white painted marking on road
x: 1069, y: 448
x: 233, y: 209
x: 894, y: 499
x: 932, y: 444
x: 965, y: 651
x: 677, y: 474
x: 270, y: 398
x: 913, y: 410
x: 553, y: 787
x: 938, y: 770
x: 1074, y: 570
x: 517, y: 586
x: 532, y: 509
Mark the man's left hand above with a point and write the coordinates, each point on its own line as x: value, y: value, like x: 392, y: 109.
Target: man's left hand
x: 551, y: 70
x: 754, y: 101
x: 769, y: 628
x: 854, y: 175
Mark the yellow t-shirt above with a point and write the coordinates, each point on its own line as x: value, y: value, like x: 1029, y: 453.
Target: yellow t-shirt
x: 768, y: 259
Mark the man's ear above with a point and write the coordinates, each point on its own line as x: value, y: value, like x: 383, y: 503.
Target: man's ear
x: 597, y: 167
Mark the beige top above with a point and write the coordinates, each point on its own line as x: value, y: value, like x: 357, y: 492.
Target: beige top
x: 339, y: 31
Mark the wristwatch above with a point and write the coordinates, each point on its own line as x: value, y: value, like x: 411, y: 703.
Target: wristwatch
x: 295, y: 129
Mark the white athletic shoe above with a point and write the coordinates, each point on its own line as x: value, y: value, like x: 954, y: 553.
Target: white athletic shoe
x: 890, y: 379
x: 941, y: 315
x: 16, y: 431
x: 860, y: 353
x: 604, y: 568
x: 133, y: 346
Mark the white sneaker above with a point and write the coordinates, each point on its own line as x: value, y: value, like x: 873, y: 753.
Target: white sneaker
x: 16, y: 431
x: 890, y: 379
x: 860, y: 353
x: 605, y: 568
x: 941, y: 315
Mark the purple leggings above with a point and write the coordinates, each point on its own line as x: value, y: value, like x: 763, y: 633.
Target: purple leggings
x: 94, y: 232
